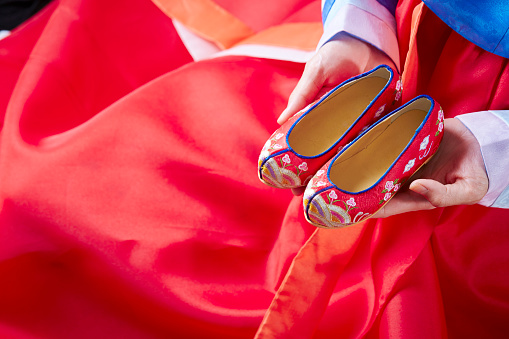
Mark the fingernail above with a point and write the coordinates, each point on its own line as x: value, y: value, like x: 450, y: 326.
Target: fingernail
x: 419, y: 189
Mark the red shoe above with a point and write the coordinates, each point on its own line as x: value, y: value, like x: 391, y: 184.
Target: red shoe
x: 366, y: 174
x: 312, y: 136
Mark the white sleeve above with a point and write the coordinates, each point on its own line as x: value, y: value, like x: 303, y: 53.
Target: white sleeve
x: 366, y: 20
x: 491, y: 129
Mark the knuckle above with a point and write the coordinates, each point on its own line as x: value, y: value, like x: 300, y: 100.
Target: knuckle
x: 438, y: 200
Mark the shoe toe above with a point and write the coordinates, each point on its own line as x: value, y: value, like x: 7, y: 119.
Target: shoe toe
x: 282, y: 171
x: 328, y: 208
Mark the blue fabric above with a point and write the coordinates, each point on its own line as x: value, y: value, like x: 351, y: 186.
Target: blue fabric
x: 485, y: 23
x: 389, y: 4
x: 502, y: 200
x: 326, y: 9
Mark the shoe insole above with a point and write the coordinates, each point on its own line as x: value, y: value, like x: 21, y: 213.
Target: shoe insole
x: 323, y: 126
x: 364, y: 163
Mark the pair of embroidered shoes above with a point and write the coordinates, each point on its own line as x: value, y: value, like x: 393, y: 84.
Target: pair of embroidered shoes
x: 351, y: 154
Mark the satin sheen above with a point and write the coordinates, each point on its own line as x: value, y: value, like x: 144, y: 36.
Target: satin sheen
x: 131, y: 206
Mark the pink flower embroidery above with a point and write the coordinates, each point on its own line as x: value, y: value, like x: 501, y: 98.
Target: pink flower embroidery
x: 387, y: 196
x: 440, y: 114
x: 380, y: 111
x: 351, y: 202
x: 333, y: 195
x: 286, y: 159
x: 320, y: 184
x: 277, y: 146
x: 303, y: 166
x: 396, y: 187
x: 440, y: 126
x: 399, y: 85
x: 320, y: 172
x: 398, y: 96
x: 389, y: 185
x: 279, y: 135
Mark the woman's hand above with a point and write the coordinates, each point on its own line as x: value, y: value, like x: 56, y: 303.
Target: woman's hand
x: 333, y: 63
x: 454, y: 176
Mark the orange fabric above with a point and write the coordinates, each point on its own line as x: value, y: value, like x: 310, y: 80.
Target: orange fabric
x: 314, y: 270
x: 411, y: 59
x: 303, y: 36
x: 207, y: 19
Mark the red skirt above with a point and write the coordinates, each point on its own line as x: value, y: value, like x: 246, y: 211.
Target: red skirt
x: 131, y: 207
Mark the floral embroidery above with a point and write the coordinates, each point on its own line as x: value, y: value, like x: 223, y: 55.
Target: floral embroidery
x: 333, y: 196
x: 274, y: 175
x: 320, y: 172
x: 277, y: 147
x: 351, y: 202
x: 391, y: 187
x: 399, y: 85
x: 398, y: 91
x: 286, y: 161
x: 279, y: 136
x: 440, y: 121
x: 320, y: 184
x: 380, y: 111
x: 409, y: 166
x: 362, y: 131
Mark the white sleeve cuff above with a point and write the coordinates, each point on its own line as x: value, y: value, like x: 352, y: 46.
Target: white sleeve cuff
x: 366, y: 20
x: 491, y: 129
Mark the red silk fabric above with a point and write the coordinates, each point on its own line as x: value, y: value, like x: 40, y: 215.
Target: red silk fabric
x: 131, y: 206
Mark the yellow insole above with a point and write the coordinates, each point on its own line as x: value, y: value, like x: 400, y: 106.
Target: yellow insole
x: 323, y: 126
x: 364, y: 163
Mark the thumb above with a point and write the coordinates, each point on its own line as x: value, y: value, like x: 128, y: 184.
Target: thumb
x: 305, y: 92
x: 439, y: 195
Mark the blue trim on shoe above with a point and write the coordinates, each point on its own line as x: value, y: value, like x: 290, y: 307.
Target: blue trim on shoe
x: 388, y: 116
x: 329, y: 94
x: 314, y: 195
x: 269, y: 157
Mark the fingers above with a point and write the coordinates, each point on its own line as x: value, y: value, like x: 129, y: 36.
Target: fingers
x: 425, y: 194
x: 461, y: 192
x: 403, y: 202
x: 306, y: 90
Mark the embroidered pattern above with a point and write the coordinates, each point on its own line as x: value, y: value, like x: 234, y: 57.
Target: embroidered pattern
x: 328, y: 206
x: 440, y: 122
x: 398, y: 91
x: 390, y: 188
x: 424, y: 149
x: 380, y: 111
x: 409, y: 165
x: 332, y: 212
